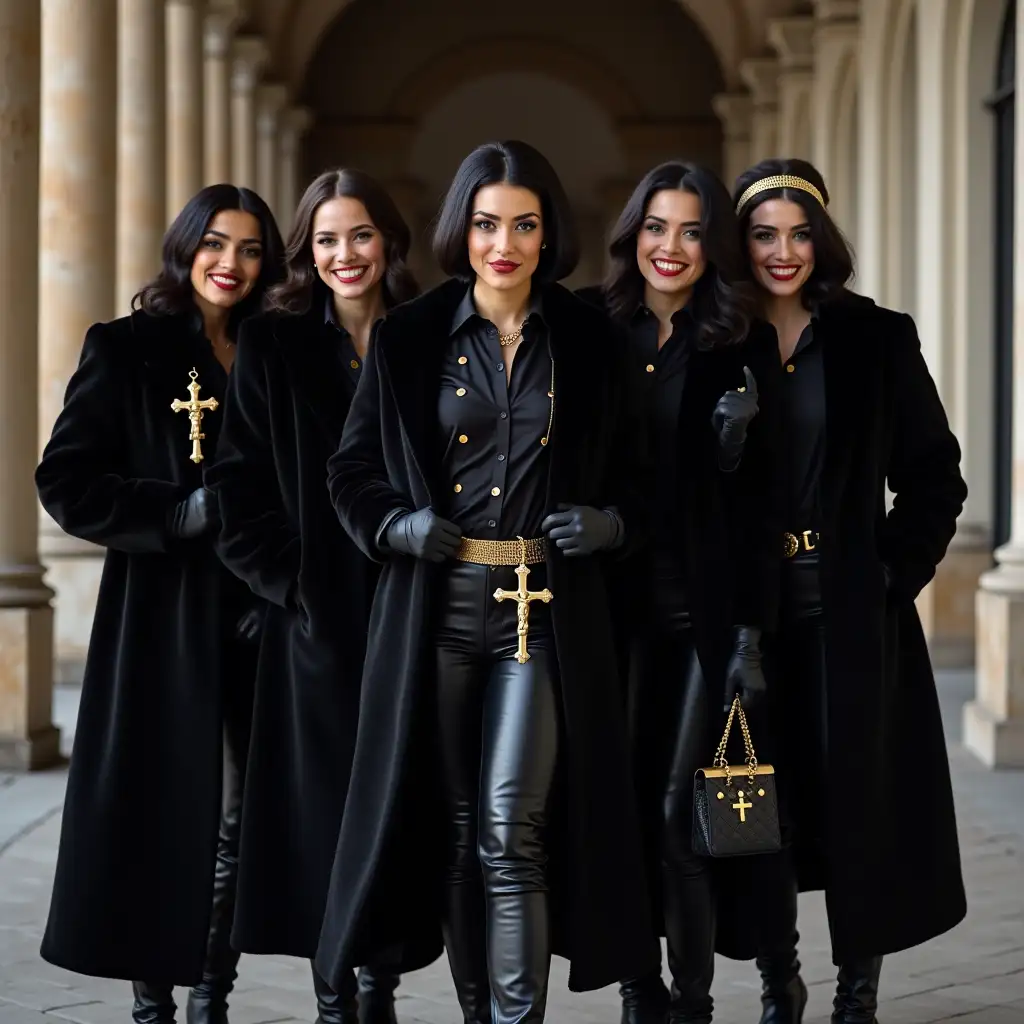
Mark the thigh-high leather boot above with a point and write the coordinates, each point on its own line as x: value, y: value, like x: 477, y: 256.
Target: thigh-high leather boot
x: 783, y: 993
x: 154, y: 1004
x: 644, y: 1000
x: 856, y: 1000
x: 335, y: 1007
x: 465, y: 940
x: 520, y: 750
x: 377, y: 995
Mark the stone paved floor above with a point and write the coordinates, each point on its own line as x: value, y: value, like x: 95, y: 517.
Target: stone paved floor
x: 974, y: 975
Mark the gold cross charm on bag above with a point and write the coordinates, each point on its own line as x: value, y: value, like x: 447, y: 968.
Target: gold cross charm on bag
x: 523, y: 597
x: 195, y: 409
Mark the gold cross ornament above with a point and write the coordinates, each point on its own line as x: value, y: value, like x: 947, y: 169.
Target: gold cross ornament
x: 523, y: 597
x: 195, y: 409
x: 742, y: 807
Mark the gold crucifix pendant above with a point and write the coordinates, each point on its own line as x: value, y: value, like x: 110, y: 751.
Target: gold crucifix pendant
x: 523, y: 597
x: 195, y: 409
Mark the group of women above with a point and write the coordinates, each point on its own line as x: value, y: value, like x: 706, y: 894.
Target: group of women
x: 420, y: 612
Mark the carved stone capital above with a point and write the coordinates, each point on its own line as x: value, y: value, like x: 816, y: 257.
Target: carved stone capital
x: 793, y: 40
x: 735, y: 110
x: 761, y: 76
x: 249, y: 56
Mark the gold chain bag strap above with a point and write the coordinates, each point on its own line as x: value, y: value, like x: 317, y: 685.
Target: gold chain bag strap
x: 735, y: 807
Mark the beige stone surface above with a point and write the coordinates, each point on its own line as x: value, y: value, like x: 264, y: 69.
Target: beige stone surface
x: 184, y: 103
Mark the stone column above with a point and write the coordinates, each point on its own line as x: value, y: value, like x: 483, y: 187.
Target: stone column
x: 761, y: 76
x: 248, y: 56
x: 735, y: 111
x: 793, y: 40
x: 77, y: 217
x: 295, y: 122
x: 221, y: 18
x: 270, y: 102
x: 994, y: 720
x: 141, y: 142
x: 28, y: 738
x: 184, y: 103
x: 834, y: 106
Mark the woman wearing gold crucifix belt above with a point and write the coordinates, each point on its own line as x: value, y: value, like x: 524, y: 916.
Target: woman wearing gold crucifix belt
x: 490, y: 460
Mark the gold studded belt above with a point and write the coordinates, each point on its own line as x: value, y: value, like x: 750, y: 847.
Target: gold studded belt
x: 794, y: 543
x: 503, y: 552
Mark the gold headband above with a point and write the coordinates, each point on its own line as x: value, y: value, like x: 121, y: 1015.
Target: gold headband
x: 778, y: 181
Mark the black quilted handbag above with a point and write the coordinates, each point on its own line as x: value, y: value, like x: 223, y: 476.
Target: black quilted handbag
x: 735, y: 810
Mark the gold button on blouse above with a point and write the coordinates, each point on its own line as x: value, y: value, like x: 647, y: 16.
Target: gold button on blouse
x: 463, y: 438
x: 790, y: 368
x: 650, y: 367
x: 458, y: 488
x: 460, y: 392
x: 495, y: 491
x: 463, y: 360
x: 354, y: 364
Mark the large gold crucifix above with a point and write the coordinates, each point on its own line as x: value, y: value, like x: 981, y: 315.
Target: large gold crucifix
x: 523, y: 597
x: 195, y: 409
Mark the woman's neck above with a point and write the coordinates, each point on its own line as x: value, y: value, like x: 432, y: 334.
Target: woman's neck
x: 358, y: 316
x: 664, y: 307
x: 789, y: 317
x: 505, y: 309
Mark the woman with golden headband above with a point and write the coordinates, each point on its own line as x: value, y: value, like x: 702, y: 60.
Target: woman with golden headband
x: 852, y: 683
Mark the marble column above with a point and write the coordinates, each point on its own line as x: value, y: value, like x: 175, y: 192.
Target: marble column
x: 994, y: 720
x: 28, y: 738
x: 270, y: 103
x: 248, y: 56
x: 77, y: 218
x: 184, y: 103
x: 218, y: 30
x: 735, y: 111
x: 761, y: 76
x: 793, y: 41
x: 141, y: 145
x: 295, y: 122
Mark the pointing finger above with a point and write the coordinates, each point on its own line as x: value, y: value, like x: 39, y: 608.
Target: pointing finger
x: 751, y: 381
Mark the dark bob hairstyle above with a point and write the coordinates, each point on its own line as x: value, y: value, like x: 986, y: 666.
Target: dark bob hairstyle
x: 507, y: 163
x: 833, y: 256
x: 170, y: 293
x: 723, y: 301
x: 303, y: 284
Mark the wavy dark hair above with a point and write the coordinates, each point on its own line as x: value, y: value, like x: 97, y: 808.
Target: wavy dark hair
x: 833, y: 254
x: 303, y: 283
x: 723, y: 301
x: 170, y: 293
x: 507, y: 163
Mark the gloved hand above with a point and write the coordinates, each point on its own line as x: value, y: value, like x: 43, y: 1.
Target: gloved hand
x: 582, y: 529
x: 249, y: 626
x: 423, y: 534
x: 731, y: 418
x: 194, y: 517
x: 744, y: 676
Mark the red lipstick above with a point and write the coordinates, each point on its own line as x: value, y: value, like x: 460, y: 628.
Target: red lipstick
x: 504, y: 266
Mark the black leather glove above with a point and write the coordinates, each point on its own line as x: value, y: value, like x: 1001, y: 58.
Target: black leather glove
x: 744, y: 676
x: 250, y: 625
x: 583, y: 529
x: 731, y: 418
x: 423, y: 534
x: 194, y: 517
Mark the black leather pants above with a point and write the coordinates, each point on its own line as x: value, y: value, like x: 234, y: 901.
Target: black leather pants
x: 498, y: 733
x: 671, y: 726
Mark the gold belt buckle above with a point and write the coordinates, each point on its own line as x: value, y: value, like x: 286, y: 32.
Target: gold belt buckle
x: 791, y: 543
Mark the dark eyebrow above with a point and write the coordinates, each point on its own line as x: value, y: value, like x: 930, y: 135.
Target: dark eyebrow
x: 691, y: 223
x: 660, y: 220
x: 494, y: 216
x: 359, y: 227
x: 244, y: 241
x: 772, y: 227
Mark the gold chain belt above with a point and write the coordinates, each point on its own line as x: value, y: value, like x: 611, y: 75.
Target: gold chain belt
x: 794, y: 543
x: 503, y: 552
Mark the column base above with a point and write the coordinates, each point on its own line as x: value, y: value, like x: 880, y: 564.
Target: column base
x: 38, y: 751
x: 998, y: 743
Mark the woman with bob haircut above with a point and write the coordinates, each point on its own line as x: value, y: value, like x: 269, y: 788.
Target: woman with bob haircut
x: 490, y: 796
x: 298, y: 368
x: 145, y: 842
x: 677, y: 284
x: 855, y: 694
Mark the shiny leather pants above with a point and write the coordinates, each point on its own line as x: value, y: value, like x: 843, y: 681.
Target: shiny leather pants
x: 498, y: 734
x: 370, y: 1000
x: 207, y: 1002
x: 671, y: 730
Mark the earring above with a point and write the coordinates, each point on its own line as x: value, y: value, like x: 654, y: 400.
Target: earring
x: 543, y: 245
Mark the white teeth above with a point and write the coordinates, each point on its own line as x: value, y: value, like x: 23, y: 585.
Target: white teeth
x: 783, y: 272
x: 668, y: 265
x: 352, y: 274
x: 227, y: 281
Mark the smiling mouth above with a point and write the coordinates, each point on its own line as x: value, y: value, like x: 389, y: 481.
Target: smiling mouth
x: 669, y: 268
x: 783, y: 273
x: 348, y: 275
x: 225, y: 282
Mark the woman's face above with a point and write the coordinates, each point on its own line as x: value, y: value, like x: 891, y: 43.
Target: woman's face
x: 348, y: 248
x: 506, y: 232
x: 669, y: 252
x: 227, y: 263
x: 781, y: 250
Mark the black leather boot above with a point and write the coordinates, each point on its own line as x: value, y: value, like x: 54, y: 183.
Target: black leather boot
x: 335, y: 1007
x: 690, y: 929
x: 377, y: 995
x: 856, y: 1000
x: 783, y: 994
x: 465, y: 941
x: 154, y: 1004
x: 644, y: 1000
